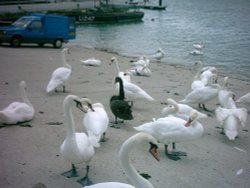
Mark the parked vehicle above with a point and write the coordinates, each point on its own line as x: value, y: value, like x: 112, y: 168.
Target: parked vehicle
x: 39, y: 29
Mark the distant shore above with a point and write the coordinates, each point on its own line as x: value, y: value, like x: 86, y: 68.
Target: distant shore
x: 17, y: 8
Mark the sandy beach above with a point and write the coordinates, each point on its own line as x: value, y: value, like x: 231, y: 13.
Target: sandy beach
x: 31, y: 154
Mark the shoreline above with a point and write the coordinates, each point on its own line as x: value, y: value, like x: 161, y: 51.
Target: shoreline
x: 30, y: 155
x: 171, y: 62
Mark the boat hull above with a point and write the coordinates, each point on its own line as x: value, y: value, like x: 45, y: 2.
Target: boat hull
x: 107, y: 17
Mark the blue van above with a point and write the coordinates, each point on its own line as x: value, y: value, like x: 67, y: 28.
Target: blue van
x: 39, y: 29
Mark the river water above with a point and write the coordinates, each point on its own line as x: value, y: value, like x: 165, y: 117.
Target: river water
x: 221, y: 26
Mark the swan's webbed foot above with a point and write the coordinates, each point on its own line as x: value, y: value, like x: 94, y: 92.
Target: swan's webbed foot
x: 115, y: 123
x: 174, y: 155
x: 85, y: 181
x: 179, y: 153
x: 71, y: 173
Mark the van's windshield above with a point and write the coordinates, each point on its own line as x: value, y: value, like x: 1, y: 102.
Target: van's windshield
x: 22, y: 22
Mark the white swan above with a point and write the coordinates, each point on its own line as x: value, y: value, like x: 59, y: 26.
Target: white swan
x: 18, y: 112
x: 143, y: 61
x: 196, y: 52
x: 140, y: 70
x: 244, y: 99
x: 134, y: 92
x: 91, y: 62
x: 198, y: 46
x: 76, y: 148
x: 159, y: 55
x: 173, y: 130
x: 96, y: 123
x: 231, y: 119
x: 207, y: 71
x: 202, y: 95
x: 202, y: 82
x: 61, y: 75
x: 125, y: 76
x: 139, y: 140
x: 204, y: 73
x: 224, y: 94
x: 180, y: 110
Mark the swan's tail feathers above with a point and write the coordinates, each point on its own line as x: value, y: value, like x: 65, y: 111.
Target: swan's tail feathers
x: 139, y: 128
x: 94, y: 139
x: 241, y: 115
x: 144, y: 128
x: 183, y: 101
x: 148, y: 97
x: 221, y: 114
x: 51, y: 86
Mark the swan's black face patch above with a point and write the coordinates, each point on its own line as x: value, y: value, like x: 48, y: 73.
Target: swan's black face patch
x: 79, y: 105
x: 90, y: 106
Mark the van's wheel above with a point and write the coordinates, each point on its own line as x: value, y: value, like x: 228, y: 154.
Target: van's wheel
x: 15, y: 41
x: 58, y: 43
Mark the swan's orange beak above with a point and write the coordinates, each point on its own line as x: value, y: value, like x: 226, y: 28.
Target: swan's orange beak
x: 153, y: 151
x: 189, y: 121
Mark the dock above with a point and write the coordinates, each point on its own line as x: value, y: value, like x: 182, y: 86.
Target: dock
x: 152, y: 7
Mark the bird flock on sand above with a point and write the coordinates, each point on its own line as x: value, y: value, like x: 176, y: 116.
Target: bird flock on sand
x: 180, y: 122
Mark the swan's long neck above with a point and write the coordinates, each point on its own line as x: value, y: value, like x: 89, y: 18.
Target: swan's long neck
x: 117, y: 67
x: 69, y: 117
x: 176, y: 106
x: 121, y: 90
x: 64, y: 60
x: 24, y: 94
x: 198, y: 73
x: 225, y: 83
x: 136, y: 179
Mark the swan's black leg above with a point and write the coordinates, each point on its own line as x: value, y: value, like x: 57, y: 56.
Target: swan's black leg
x: 205, y: 109
x: 170, y: 155
x: 174, y: 155
x: 114, y: 124
x: 200, y: 106
x: 72, y: 173
x: 104, y: 139
x: 85, y: 181
x: 178, y: 153
x: 64, y: 89
x: 222, y: 131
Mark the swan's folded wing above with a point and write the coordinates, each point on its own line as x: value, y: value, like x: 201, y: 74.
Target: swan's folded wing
x: 122, y: 109
x: 94, y: 139
x: 221, y: 114
x: 241, y: 114
x: 52, y: 85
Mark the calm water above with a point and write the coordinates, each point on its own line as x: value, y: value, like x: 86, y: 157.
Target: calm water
x: 222, y: 26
